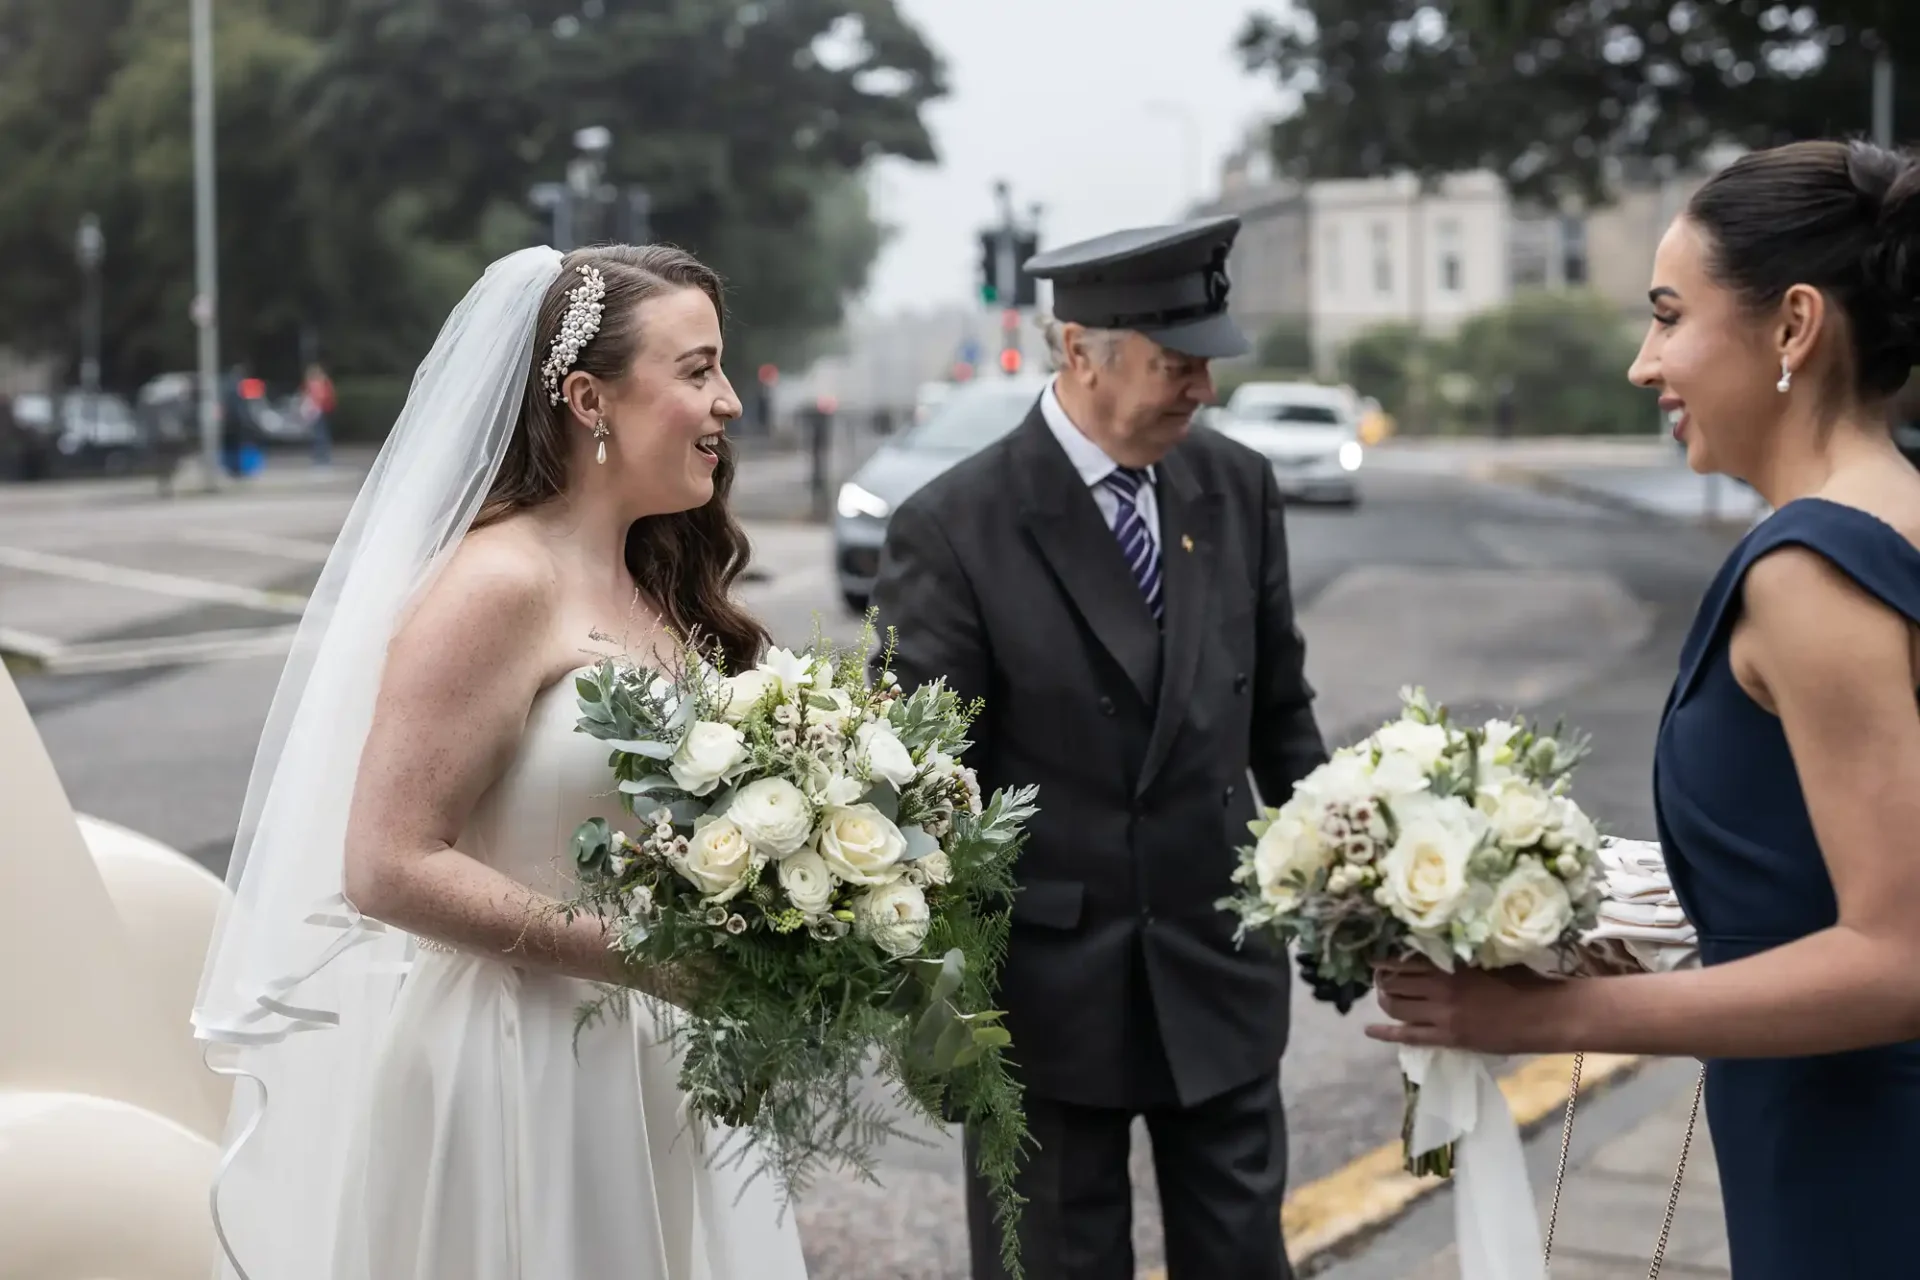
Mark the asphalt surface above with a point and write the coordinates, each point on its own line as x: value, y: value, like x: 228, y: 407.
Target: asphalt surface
x: 1491, y: 597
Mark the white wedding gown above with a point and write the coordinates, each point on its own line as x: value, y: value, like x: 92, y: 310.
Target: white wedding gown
x: 491, y: 1150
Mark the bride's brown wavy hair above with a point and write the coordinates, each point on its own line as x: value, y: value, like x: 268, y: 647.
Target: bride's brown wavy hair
x: 686, y: 561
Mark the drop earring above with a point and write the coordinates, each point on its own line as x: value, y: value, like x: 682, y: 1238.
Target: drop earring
x: 600, y: 433
x: 1786, y: 379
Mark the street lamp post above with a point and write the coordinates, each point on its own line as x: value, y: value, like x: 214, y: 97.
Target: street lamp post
x: 90, y: 247
x: 206, y: 267
x: 1190, y: 142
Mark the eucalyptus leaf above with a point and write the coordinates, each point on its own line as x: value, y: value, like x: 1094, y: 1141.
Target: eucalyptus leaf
x: 919, y: 845
x: 682, y: 715
x: 591, y: 840
x: 651, y: 783
x: 927, y: 1031
x: 644, y: 747
x: 587, y: 689
x: 686, y: 810
x: 953, y: 968
x: 953, y: 1039
x: 883, y: 797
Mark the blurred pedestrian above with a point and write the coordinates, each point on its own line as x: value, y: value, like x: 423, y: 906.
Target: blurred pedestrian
x: 316, y: 406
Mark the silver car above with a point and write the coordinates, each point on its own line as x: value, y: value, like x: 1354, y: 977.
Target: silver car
x: 968, y: 419
x: 1310, y: 434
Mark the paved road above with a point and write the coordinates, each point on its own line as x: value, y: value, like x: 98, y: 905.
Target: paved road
x: 1491, y: 597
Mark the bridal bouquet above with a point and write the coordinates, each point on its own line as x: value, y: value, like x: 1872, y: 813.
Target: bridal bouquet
x: 816, y: 861
x: 1456, y: 843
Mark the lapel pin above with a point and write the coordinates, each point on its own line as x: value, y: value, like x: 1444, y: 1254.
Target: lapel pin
x: 1186, y: 542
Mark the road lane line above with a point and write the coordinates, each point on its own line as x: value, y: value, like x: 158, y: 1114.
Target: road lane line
x: 308, y: 550
x: 167, y: 584
x: 1368, y: 1193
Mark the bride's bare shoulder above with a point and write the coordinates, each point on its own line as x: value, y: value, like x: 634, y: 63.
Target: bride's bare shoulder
x: 497, y: 591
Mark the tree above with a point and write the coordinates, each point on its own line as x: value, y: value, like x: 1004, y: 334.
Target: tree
x: 1549, y: 93
x: 1565, y: 355
x: 1287, y: 344
x: 375, y: 154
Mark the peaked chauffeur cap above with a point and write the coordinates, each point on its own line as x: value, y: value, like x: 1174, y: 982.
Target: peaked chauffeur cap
x: 1168, y: 283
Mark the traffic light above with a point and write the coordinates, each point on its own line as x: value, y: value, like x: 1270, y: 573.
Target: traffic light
x: 989, y: 267
x: 1026, y: 292
x: 1010, y: 361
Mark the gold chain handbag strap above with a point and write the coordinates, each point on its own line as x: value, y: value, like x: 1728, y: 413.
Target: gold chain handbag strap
x: 1679, y: 1173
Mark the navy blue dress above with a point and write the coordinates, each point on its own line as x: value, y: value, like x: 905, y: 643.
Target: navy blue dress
x: 1819, y: 1156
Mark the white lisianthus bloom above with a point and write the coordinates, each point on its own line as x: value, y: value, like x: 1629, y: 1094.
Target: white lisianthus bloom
x: 885, y: 756
x: 837, y: 718
x: 773, y: 815
x: 717, y: 858
x: 710, y: 752
x: 745, y: 691
x: 1399, y: 773
x: 1347, y: 779
x: 895, y: 916
x: 1495, y: 756
x: 1426, y: 743
x: 808, y: 882
x: 1289, y: 850
x: 790, y: 669
x: 1423, y: 877
x: 935, y: 869
x: 1520, y: 813
x: 1575, y: 827
x: 831, y: 788
x: 860, y: 845
x: 1530, y: 911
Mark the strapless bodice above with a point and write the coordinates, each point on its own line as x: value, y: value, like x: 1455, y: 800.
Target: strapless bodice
x: 558, y: 778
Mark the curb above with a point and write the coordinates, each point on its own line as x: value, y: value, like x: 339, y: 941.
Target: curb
x: 1327, y: 1219
x: 1506, y: 473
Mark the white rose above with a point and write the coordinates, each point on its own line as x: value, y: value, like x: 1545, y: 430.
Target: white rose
x: 773, y: 816
x: 1423, y: 878
x: 710, y: 752
x: 1426, y: 743
x: 808, y: 883
x: 1291, y: 846
x: 1530, y: 911
x: 745, y: 691
x: 886, y: 757
x: 1519, y: 812
x: 936, y: 868
x: 860, y: 845
x: 895, y: 916
x: 717, y: 858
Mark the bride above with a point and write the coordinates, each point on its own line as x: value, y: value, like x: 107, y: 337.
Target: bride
x: 393, y: 971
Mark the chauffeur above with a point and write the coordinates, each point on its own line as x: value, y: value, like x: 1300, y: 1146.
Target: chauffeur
x: 1115, y: 585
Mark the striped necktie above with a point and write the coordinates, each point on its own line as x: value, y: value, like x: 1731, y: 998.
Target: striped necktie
x: 1136, y: 543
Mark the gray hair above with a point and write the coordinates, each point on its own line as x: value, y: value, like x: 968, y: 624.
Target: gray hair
x: 1102, y: 344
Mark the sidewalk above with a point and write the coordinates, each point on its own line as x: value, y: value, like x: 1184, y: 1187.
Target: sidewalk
x: 1642, y: 475
x: 1626, y: 1141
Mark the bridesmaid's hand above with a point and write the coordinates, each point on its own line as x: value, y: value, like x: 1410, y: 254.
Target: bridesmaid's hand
x: 1487, y: 1011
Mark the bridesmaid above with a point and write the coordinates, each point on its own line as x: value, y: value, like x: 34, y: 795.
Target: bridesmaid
x: 1786, y: 314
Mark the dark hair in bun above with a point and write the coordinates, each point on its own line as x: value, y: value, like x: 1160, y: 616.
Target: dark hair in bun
x: 1843, y: 217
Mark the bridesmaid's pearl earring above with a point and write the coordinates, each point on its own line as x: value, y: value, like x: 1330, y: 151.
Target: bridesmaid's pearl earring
x: 600, y: 433
x: 1786, y: 379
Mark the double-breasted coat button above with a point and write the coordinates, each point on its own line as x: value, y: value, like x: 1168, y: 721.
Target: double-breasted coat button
x: 1240, y: 682
x: 1226, y: 797
x: 1106, y: 706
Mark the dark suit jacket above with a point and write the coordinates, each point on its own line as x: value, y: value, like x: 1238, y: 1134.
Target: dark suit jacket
x: 1002, y: 576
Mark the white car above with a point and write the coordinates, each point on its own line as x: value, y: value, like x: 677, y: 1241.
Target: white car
x: 1309, y: 433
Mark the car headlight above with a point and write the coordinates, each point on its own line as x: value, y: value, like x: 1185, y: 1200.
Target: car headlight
x: 1350, y: 456
x: 855, y: 502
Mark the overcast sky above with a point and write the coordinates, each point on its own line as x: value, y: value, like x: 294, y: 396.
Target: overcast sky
x: 1109, y: 113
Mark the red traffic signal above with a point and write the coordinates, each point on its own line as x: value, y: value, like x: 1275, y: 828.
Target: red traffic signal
x: 962, y: 371
x: 769, y: 374
x: 252, y: 389
x: 1009, y: 320
x: 826, y: 404
x: 1010, y: 360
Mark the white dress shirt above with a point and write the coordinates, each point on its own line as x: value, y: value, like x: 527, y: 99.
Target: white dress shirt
x: 1094, y: 466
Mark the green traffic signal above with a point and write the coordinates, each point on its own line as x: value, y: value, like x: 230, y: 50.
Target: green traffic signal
x: 989, y: 294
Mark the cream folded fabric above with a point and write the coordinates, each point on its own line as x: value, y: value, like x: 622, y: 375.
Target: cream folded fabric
x: 1641, y: 916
